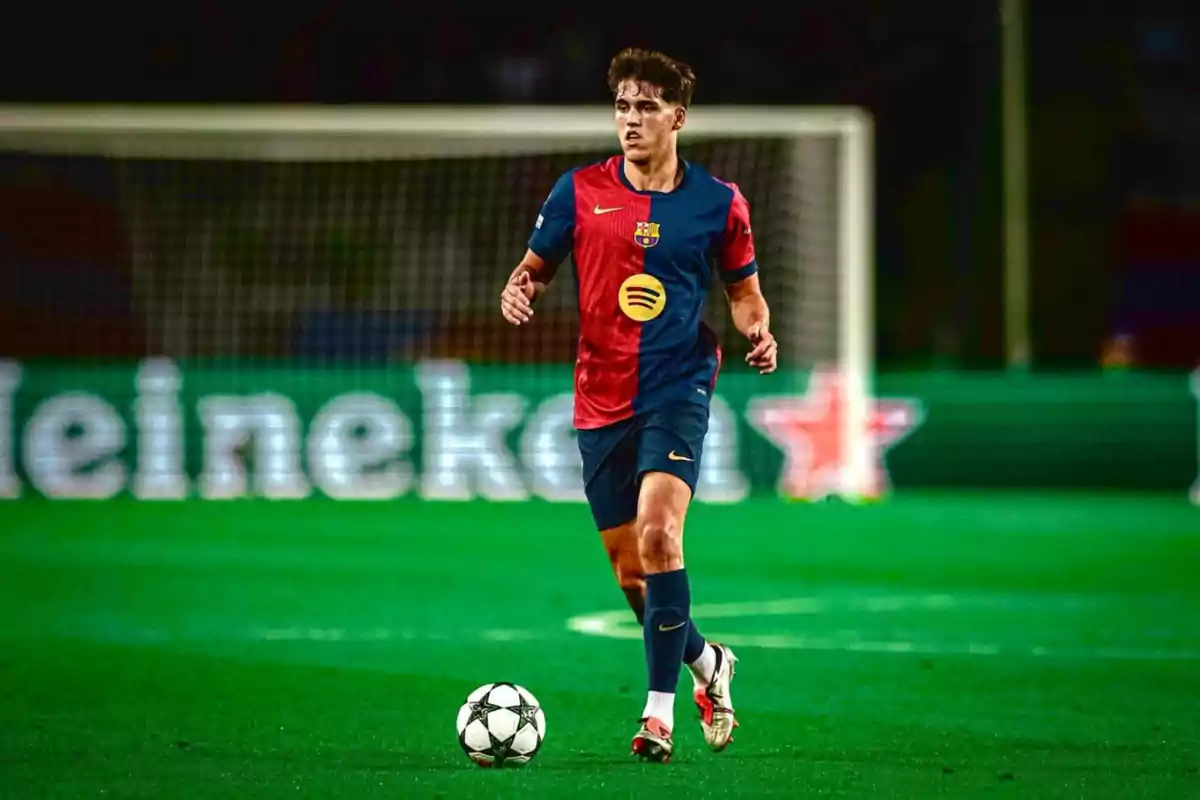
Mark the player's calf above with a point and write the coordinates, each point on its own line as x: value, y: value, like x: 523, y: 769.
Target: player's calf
x: 621, y: 545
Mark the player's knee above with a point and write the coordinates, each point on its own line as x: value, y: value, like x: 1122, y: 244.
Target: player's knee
x: 660, y: 541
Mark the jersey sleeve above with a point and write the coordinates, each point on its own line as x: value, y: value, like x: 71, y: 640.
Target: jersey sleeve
x: 737, y: 243
x: 554, y: 232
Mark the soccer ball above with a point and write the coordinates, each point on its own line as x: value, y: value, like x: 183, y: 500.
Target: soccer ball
x: 501, y: 725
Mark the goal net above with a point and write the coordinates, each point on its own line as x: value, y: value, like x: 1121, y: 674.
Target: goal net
x: 352, y: 236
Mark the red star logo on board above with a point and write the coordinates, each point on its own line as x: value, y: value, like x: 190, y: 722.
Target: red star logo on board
x: 808, y: 429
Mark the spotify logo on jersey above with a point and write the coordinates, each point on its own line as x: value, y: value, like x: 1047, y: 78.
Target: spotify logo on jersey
x: 642, y: 297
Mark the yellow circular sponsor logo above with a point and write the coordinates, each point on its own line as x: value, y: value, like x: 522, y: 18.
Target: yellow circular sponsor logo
x: 642, y: 297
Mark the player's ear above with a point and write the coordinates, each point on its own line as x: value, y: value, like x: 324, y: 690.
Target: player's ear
x: 680, y: 118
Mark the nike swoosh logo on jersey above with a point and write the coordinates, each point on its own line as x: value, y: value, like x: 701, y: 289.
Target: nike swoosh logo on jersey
x: 599, y: 210
x: 676, y: 457
x: 665, y: 628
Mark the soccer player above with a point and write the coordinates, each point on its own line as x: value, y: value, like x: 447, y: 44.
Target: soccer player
x: 648, y: 230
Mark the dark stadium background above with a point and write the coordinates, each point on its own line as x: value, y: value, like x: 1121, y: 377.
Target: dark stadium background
x: 1112, y: 130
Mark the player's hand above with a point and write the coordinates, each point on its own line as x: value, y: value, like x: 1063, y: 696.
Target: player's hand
x: 764, y: 355
x: 516, y: 301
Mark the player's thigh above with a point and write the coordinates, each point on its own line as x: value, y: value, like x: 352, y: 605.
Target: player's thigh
x: 670, y: 447
x: 671, y: 442
x: 663, y: 501
x: 609, y: 457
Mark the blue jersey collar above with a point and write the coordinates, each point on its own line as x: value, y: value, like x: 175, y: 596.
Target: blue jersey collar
x: 684, y: 165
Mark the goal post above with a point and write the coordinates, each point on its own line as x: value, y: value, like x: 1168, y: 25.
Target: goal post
x: 239, y: 216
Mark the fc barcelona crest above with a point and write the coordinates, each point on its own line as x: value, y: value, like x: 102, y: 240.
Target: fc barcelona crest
x: 646, y: 234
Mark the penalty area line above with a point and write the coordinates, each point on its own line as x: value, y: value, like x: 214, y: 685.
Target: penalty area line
x: 619, y: 624
x: 199, y: 632
x: 386, y: 635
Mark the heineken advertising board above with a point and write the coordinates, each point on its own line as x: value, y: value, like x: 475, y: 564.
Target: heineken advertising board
x: 445, y: 430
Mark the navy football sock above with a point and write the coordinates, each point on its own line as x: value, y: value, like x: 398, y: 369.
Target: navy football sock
x: 694, y: 648
x: 695, y: 642
x: 667, y: 627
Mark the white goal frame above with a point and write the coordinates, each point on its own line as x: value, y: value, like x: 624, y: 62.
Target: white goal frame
x: 345, y: 133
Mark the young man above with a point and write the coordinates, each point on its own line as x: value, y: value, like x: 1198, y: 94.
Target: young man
x: 645, y: 228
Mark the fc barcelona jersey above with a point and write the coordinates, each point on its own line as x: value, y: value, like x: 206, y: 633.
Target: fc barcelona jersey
x: 643, y: 264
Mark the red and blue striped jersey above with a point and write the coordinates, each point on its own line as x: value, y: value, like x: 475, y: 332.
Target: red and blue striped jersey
x: 643, y: 264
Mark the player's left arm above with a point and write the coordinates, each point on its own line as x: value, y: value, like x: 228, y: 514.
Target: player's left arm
x: 739, y: 270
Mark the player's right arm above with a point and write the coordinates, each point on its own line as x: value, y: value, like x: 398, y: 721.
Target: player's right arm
x: 526, y: 284
x: 549, y: 245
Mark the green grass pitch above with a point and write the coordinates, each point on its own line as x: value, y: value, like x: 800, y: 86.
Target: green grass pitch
x: 932, y: 646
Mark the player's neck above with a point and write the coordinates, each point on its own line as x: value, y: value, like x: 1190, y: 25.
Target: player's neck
x: 657, y: 175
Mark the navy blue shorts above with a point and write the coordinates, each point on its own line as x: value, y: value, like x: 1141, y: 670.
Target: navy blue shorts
x: 615, y: 457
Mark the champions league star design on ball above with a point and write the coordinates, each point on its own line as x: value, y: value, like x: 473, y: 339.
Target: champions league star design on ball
x: 501, y: 725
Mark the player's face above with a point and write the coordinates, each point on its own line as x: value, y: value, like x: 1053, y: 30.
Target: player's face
x: 646, y: 124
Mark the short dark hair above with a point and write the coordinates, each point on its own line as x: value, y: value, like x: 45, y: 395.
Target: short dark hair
x: 674, y: 79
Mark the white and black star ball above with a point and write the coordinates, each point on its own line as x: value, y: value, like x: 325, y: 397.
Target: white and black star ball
x: 501, y: 725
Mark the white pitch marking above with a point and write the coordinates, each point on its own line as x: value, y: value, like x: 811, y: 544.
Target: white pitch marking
x: 383, y: 635
x: 619, y: 625
x: 502, y: 635
x: 338, y: 635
